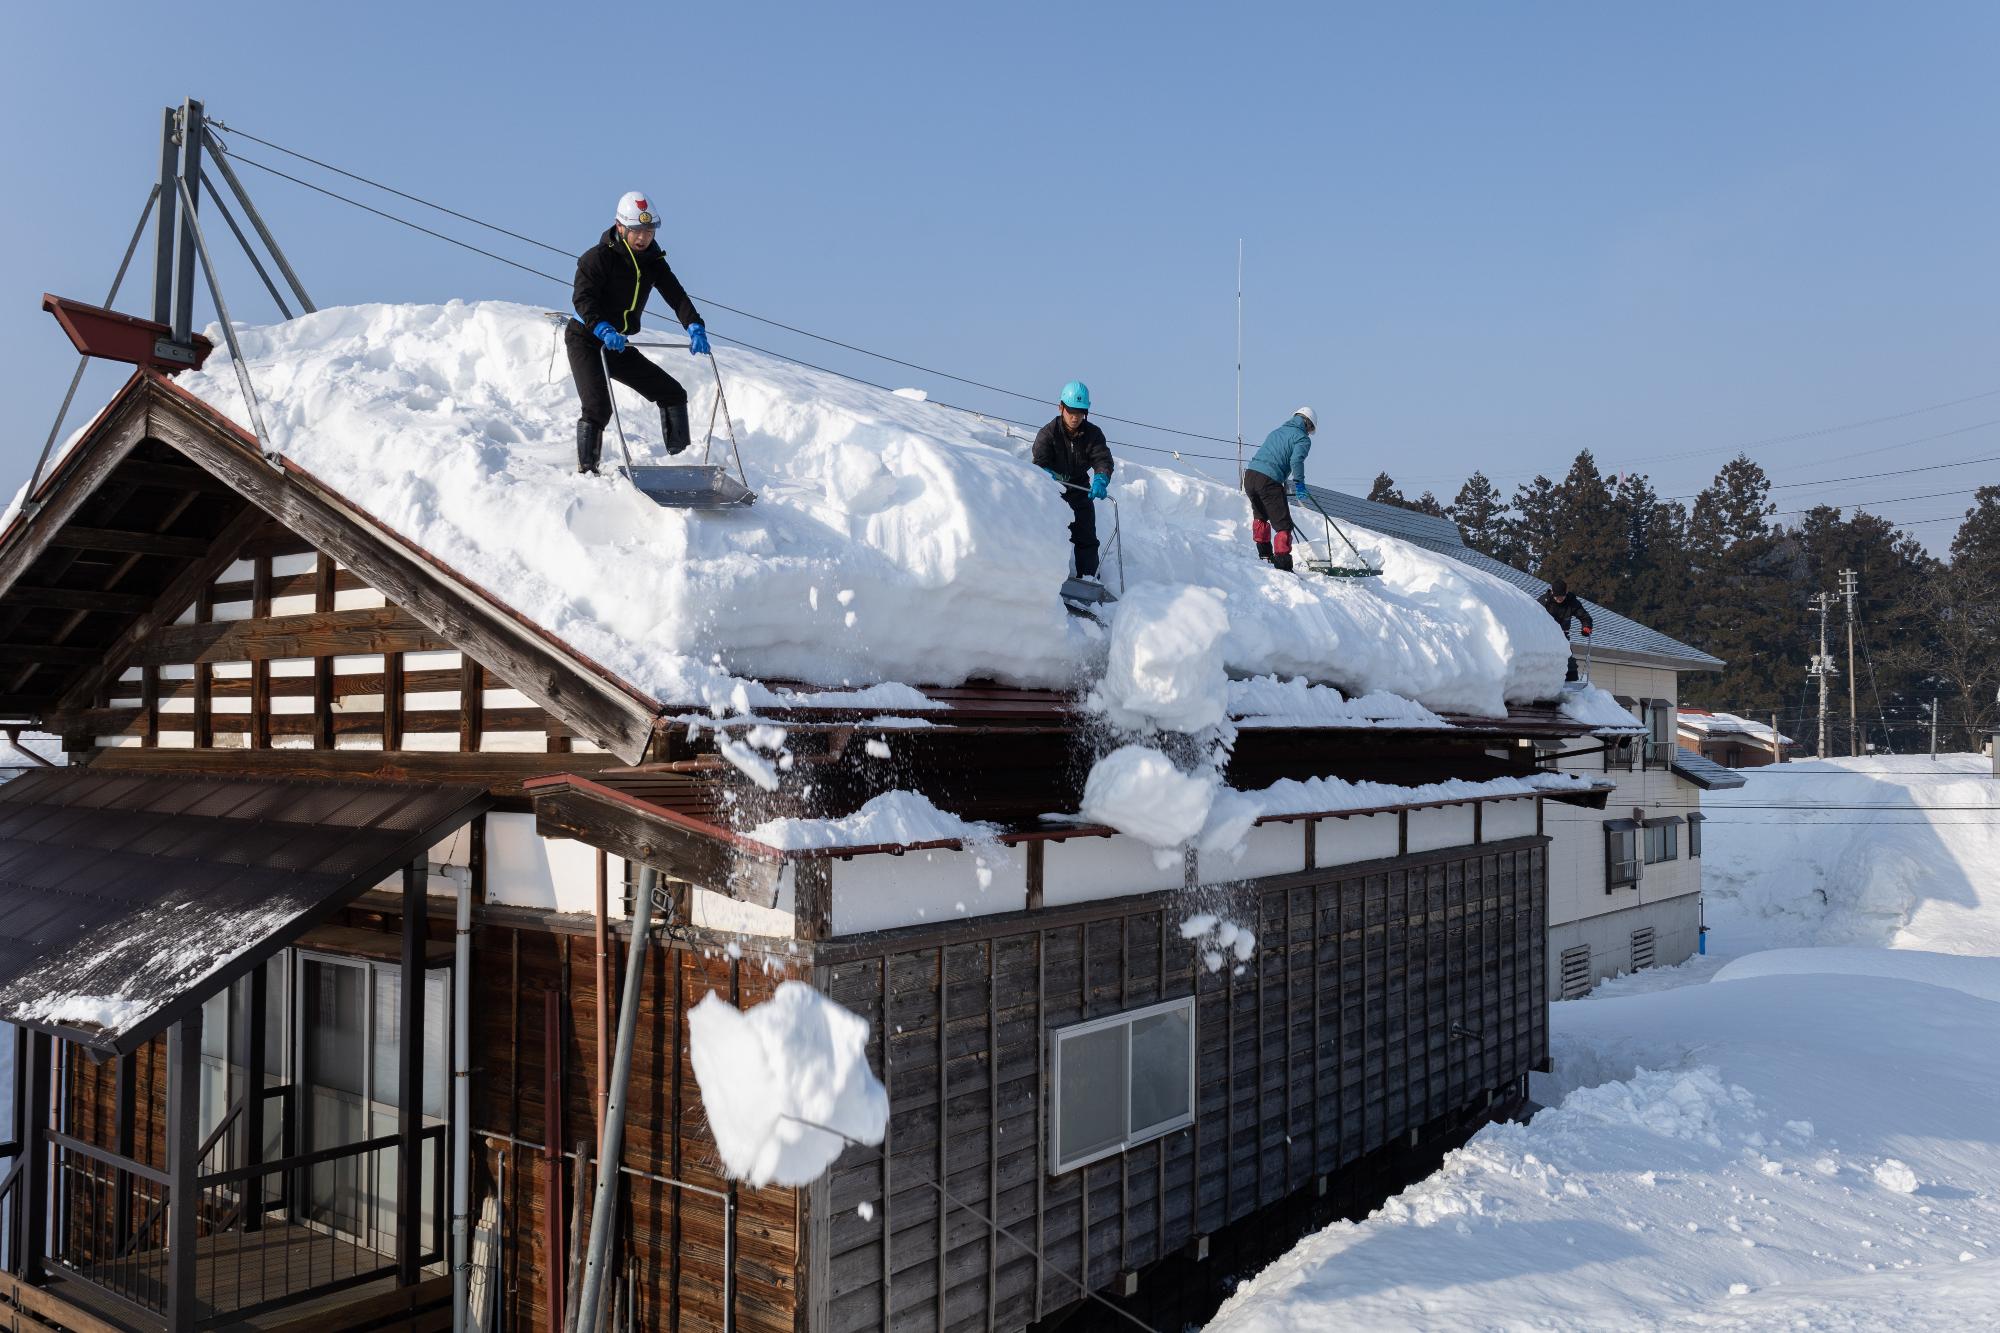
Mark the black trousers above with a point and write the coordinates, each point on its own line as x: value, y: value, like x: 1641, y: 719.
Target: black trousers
x: 1268, y: 503
x: 1082, y: 528
x: 629, y: 367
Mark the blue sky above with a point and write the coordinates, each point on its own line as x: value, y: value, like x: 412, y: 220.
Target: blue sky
x: 1477, y: 235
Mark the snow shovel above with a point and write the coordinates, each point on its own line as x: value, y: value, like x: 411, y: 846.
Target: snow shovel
x: 702, y: 485
x: 1361, y: 569
x: 1086, y: 596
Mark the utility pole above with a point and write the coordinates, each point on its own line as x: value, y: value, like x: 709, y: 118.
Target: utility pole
x: 1777, y: 740
x: 1239, y: 362
x: 1934, y: 730
x: 1822, y: 666
x: 1850, y: 588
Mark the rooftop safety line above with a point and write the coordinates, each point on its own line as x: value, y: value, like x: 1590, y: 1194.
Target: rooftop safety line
x: 761, y: 319
x: 720, y: 337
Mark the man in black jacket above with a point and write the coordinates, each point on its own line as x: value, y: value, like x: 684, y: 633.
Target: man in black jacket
x: 613, y: 279
x: 1565, y: 608
x: 1073, y: 451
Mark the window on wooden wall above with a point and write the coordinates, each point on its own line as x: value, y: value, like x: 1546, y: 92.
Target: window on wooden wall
x: 1121, y: 1081
x: 1621, y: 854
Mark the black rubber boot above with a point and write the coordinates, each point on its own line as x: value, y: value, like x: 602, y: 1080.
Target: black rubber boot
x: 674, y: 427
x: 1263, y: 550
x: 1282, y: 560
x: 589, y: 444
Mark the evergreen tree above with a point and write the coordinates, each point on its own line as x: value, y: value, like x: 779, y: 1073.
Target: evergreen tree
x: 1960, y: 609
x: 1537, y: 509
x: 1742, y: 578
x: 1481, y: 515
x: 1654, y: 585
x: 1587, y: 539
x: 1384, y: 491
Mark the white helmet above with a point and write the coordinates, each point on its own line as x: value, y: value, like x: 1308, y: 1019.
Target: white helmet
x: 636, y: 210
x: 1312, y: 417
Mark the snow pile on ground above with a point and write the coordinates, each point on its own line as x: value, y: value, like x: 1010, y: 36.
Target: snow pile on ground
x: 1599, y: 710
x: 454, y: 425
x: 1266, y: 701
x: 1783, y: 1151
x: 770, y: 1073
x: 897, y: 817
x: 1892, y: 849
x: 1164, y: 671
x: 1976, y: 977
x: 1137, y: 790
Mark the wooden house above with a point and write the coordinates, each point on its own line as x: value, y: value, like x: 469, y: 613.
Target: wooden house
x: 314, y: 771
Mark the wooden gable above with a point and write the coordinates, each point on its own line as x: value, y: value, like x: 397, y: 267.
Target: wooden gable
x: 169, y: 588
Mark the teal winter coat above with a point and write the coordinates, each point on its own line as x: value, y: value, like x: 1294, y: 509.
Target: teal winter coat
x: 1282, y: 456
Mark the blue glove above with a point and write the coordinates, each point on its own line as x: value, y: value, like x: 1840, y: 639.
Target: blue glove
x: 697, y: 340
x: 1057, y: 475
x: 610, y: 337
x: 1298, y: 490
x: 1099, y: 484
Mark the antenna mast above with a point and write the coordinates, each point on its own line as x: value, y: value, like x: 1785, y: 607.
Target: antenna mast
x: 1239, y: 361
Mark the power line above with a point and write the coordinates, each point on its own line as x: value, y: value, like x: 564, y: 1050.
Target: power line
x: 1865, y: 476
x: 720, y: 337
x: 761, y: 319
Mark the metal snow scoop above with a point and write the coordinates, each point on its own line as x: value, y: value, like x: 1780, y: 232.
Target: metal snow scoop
x: 1325, y: 565
x: 1083, y: 596
x: 702, y: 485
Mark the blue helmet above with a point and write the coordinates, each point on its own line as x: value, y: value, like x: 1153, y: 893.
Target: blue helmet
x: 1076, y: 396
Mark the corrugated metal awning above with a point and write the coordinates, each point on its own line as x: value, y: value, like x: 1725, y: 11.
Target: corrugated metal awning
x: 1704, y: 772
x: 128, y: 900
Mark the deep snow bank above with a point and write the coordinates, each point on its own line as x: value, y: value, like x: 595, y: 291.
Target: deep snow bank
x: 1778, y: 1152
x: 1895, y: 849
x: 894, y: 540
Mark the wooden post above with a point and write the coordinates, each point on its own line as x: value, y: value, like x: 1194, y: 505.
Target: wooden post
x: 183, y: 1164
x: 253, y: 1093
x: 323, y: 588
x: 556, y: 1263
x: 260, y: 669
x: 127, y: 1115
x: 392, y: 701
x: 35, y: 1147
x: 410, y: 1080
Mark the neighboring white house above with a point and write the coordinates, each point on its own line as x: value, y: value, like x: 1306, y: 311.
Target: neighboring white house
x: 1624, y: 882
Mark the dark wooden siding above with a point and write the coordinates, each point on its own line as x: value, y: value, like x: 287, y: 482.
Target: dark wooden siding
x: 1381, y: 997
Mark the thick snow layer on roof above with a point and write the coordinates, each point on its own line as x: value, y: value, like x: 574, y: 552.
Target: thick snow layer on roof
x: 893, y: 540
x: 1708, y: 723
x: 1266, y: 701
x: 1599, y: 710
x: 896, y: 818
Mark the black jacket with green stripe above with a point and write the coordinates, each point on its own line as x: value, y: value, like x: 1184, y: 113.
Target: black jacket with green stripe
x: 613, y: 282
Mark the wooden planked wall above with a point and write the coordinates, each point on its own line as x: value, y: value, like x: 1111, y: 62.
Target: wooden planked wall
x: 1335, y: 1038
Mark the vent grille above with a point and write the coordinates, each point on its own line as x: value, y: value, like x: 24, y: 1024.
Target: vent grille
x: 1575, y: 971
x: 1642, y: 948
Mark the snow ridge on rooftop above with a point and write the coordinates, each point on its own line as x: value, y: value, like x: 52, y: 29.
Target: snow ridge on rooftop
x: 893, y: 539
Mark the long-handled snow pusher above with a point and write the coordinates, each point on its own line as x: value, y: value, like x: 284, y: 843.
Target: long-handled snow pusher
x: 1361, y: 569
x: 1087, y: 596
x: 702, y: 485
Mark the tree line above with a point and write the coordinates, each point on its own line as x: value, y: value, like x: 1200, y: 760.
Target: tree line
x: 1725, y: 576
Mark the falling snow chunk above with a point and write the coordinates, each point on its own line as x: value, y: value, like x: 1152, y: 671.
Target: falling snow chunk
x: 896, y: 818
x: 877, y: 749
x: 1137, y: 790
x: 785, y: 1084
x: 747, y: 761
x: 865, y: 1211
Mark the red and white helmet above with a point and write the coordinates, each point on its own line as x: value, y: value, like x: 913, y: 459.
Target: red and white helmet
x: 636, y: 210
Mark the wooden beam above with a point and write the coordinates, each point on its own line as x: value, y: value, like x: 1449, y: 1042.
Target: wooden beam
x: 78, y: 599
x: 175, y: 598
x: 375, y: 629
x: 585, y: 696
x: 812, y: 899
x: 667, y: 848
x: 471, y: 704
x: 204, y: 674
x: 168, y: 476
x: 119, y: 540
x: 260, y: 670
x: 500, y: 773
x: 410, y: 1080
x: 325, y: 579
x: 44, y: 654
x: 76, y: 480
x: 392, y: 702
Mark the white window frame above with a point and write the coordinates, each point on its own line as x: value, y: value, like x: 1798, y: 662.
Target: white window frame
x: 1132, y: 1137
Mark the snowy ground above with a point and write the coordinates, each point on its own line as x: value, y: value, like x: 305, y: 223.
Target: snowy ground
x: 893, y: 539
x: 1806, y: 1137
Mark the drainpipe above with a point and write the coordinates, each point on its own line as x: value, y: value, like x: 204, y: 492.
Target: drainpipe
x: 603, y: 1207
x: 461, y: 1105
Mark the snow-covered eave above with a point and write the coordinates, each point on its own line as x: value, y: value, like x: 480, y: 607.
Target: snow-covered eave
x: 1056, y: 828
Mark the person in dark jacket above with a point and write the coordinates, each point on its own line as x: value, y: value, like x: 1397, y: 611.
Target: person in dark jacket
x: 1279, y: 462
x: 613, y: 279
x: 1565, y: 608
x: 1073, y: 451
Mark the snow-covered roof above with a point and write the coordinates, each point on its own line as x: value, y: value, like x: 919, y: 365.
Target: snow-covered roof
x: 893, y: 540
x: 1709, y: 725
x: 1612, y: 631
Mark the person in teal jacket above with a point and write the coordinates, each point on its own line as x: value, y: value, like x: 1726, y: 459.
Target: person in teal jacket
x: 1279, y: 465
